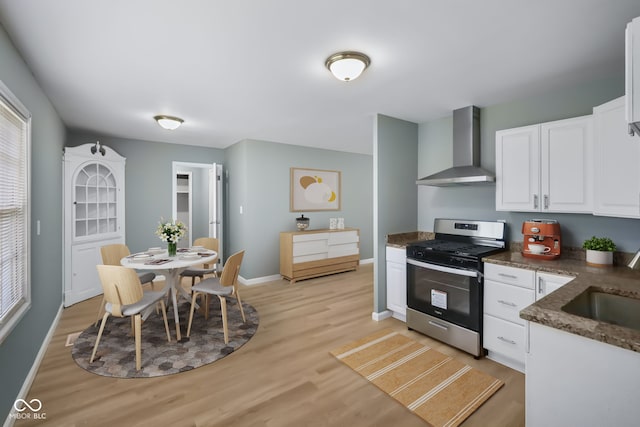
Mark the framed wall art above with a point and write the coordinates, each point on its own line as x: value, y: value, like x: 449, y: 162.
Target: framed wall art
x: 314, y: 190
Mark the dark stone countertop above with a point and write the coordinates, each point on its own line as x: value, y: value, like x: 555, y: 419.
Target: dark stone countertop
x: 617, y: 279
x: 547, y: 311
x: 400, y: 240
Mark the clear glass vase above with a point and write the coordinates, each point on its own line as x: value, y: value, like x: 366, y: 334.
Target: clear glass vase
x: 172, y: 248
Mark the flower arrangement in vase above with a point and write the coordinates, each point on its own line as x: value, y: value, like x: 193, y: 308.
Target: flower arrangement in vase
x: 599, y: 251
x: 171, y: 232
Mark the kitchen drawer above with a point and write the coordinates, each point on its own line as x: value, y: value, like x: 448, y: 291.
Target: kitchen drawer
x: 506, y: 338
x: 310, y: 236
x: 506, y: 301
x: 310, y: 247
x: 341, y: 237
x: 397, y: 255
x: 510, y: 275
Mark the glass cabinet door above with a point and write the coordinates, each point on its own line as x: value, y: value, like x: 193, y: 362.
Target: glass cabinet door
x: 95, y: 209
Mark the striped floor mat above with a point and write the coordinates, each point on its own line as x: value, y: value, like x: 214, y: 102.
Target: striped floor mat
x: 438, y: 388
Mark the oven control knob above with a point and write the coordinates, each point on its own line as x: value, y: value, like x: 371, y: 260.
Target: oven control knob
x: 535, y: 230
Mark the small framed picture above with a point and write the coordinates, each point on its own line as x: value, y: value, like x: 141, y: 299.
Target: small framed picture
x: 314, y: 190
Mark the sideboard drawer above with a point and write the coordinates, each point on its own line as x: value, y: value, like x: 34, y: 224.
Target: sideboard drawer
x: 313, y: 253
x: 341, y: 237
x: 310, y: 247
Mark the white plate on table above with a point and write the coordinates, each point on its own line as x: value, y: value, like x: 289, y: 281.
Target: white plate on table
x: 155, y: 251
x: 141, y: 258
x: 205, y: 252
x: 190, y: 256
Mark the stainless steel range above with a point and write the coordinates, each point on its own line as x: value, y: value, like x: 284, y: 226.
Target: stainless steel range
x: 444, y: 281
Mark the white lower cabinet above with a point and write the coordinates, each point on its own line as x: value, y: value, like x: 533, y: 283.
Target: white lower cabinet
x: 547, y: 283
x: 506, y: 342
x: 397, y: 282
x: 507, y: 290
x: 577, y: 381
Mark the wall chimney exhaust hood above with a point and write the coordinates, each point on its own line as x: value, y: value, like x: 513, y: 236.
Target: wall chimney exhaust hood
x: 466, y: 168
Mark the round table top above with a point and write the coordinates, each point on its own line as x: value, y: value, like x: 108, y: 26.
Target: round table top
x: 147, y: 261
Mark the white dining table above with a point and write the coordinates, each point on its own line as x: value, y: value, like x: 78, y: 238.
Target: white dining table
x: 171, y: 271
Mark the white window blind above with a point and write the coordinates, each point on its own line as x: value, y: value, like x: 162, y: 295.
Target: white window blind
x: 15, y: 122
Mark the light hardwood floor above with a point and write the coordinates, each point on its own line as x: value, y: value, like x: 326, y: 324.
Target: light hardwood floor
x: 284, y: 376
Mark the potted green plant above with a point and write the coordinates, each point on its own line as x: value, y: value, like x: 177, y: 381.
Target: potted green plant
x: 599, y: 251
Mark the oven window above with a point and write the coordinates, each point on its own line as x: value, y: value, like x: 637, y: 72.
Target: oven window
x: 451, y: 297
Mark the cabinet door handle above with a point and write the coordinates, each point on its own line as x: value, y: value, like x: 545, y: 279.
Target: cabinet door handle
x: 546, y: 201
x: 539, y: 285
x: 510, y: 276
x: 535, y: 201
x: 510, y: 304
x: 508, y: 341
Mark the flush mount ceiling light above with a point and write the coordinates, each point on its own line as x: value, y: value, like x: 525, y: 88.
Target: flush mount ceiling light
x: 347, y: 66
x: 169, y: 122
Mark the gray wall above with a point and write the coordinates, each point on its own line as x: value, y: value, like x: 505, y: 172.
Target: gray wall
x: 479, y: 202
x: 259, y: 182
x: 18, y: 351
x: 257, y: 177
x: 149, y: 182
x: 395, y: 210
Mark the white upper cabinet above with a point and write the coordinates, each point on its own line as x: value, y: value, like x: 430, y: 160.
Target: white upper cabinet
x: 617, y: 163
x: 632, y: 75
x: 567, y: 165
x: 546, y: 167
x: 518, y: 169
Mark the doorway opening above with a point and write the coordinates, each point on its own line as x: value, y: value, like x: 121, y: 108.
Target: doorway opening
x: 197, y: 200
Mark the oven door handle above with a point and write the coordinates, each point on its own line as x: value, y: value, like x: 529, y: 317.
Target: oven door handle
x: 456, y: 271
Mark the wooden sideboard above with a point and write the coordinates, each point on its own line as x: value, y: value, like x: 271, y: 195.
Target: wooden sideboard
x: 313, y: 253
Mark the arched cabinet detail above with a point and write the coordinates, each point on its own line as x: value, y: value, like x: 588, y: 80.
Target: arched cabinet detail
x: 94, y: 178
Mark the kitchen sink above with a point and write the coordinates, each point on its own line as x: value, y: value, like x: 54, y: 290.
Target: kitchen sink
x: 604, y: 307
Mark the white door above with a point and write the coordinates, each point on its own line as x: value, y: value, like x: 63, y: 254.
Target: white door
x: 93, y: 215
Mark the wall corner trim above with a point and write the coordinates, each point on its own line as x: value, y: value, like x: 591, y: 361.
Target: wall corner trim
x: 381, y: 316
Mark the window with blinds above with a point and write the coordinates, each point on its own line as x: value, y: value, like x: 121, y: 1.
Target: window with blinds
x: 15, y: 142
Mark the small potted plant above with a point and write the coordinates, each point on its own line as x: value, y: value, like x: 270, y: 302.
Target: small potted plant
x: 599, y: 251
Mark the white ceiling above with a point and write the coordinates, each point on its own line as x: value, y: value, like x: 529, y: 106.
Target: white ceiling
x: 239, y: 69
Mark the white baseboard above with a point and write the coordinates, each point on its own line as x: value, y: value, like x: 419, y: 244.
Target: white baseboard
x: 274, y: 277
x: 381, y: 315
x: 401, y: 317
x: 258, y: 280
x: 31, y: 376
x: 506, y: 361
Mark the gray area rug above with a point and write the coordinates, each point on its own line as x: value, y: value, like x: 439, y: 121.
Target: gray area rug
x: 116, y: 353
